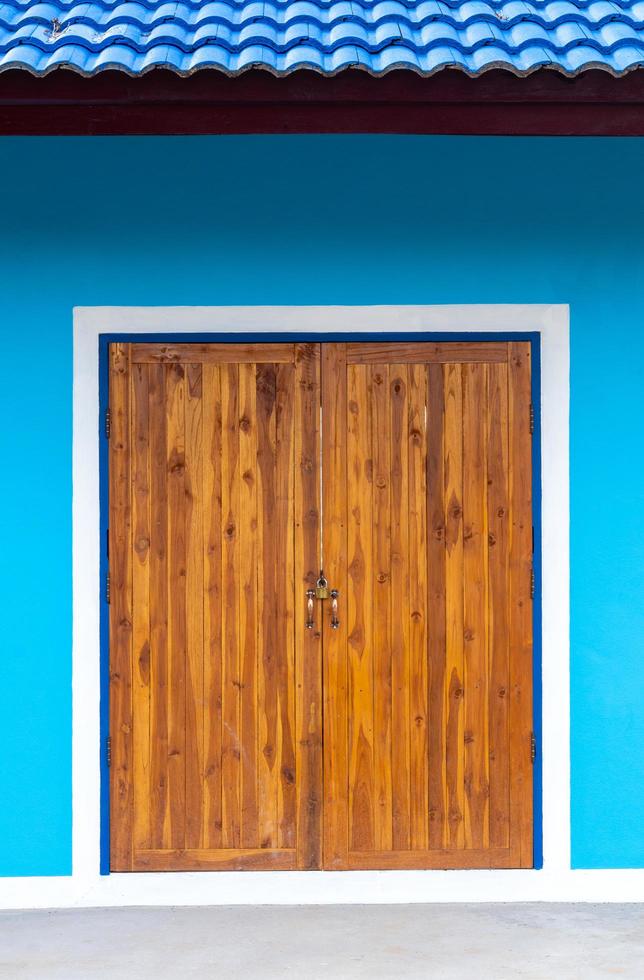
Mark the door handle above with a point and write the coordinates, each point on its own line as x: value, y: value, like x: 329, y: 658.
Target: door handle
x: 310, y: 621
x: 335, y: 622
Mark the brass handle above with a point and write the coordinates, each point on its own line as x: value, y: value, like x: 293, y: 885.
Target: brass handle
x: 310, y: 596
x: 335, y: 622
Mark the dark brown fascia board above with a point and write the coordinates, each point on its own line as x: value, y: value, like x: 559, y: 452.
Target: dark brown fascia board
x: 209, y: 102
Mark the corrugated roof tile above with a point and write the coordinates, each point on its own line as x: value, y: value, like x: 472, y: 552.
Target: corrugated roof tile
x: 327, y: 35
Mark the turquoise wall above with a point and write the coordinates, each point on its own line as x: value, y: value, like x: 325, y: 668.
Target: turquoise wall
x: 321, y: 220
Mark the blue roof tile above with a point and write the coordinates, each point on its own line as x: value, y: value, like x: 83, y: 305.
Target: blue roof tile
x: 326, y: 35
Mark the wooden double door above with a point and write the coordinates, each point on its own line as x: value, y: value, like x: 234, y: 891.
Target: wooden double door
x: 253, y: 726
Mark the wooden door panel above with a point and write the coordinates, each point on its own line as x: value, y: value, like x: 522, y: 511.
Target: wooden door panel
x: 221, y: 756
x: 215, y: 695
x: 427, y: 682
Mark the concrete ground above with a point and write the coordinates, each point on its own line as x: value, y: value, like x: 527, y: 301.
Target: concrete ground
x: 441, y: 942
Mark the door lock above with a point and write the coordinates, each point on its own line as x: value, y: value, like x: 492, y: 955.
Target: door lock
x: 322, y: 587
x: 321, y: 591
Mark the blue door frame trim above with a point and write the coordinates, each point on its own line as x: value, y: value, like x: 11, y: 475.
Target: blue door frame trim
x: 105, y: 340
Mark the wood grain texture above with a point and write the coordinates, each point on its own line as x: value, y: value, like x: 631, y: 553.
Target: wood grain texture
x: 209, y: 678
x: 418, y: 763
x: 308, y: 642
x: 475, y: 550
x: 454, y: 663
x: 158, y: 610
x: 141, y: 519
x: 250, y: 608
x: 268, y: 761
x: 212, y: 441
x: 285, y: 646
x: 194, y: 536
x: 431, y: 606
x: 433, y: 859
x: 426, y: 602
x: 520, y: 481
x: 336, y: 550
x: 154, y: 353
x: 498, y: 592
x: 379, y: 630
x: 360, y: 608
x: 211, y: 859
x: 176, y: 609
x: 121, y: 775
x: 418, y: 352
x: 241, y: 739
x: 401, y: 724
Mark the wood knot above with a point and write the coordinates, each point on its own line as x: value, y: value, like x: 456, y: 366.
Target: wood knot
x: 244, y: 423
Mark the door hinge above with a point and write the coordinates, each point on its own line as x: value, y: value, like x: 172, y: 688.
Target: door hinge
x: 107, y: 587
x: 533, y: 747
x: 532, y: 583
x: 531, y: 418
x: 108, y: 422
x: 108, y: 748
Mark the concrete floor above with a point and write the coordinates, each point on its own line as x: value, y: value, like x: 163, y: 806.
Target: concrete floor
x: 441, y: 942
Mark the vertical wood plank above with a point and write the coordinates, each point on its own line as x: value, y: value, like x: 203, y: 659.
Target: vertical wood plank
x: 379, y: 629
x: 285, y: 652
x: 520, y: 604
x: 250, y: 610
x: 268, y: 584
x: 159, y: 651
x: 308, y: 645
x: 454, y: 672
x: 175, y: 416
x: 436, y: 537
x: 121, y: 795
x: 141, y: 604
x: 360, y: 609
x: 194, y: 526
x: 213, y: 596
x: 401, y: 724
x: 498, y: 565
x: 230, y: 686
x: 335, y: 653
x: 417, y: 436
x: 475, y: 553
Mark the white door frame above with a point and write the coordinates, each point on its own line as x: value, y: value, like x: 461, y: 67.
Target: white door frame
x: 85, y: 887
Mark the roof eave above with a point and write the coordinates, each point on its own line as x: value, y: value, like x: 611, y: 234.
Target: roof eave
x: 160, y: 102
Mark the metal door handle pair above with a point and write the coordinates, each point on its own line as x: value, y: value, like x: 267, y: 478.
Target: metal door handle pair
x: 310, y: 608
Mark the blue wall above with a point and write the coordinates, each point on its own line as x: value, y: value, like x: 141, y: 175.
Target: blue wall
x: 321, y: 220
